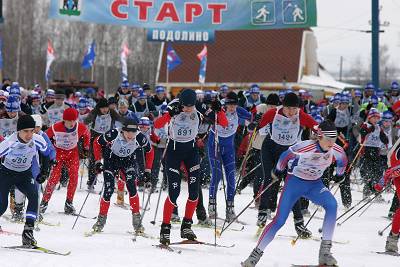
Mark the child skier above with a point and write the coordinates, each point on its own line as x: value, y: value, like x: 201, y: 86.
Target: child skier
x: 307, y: 162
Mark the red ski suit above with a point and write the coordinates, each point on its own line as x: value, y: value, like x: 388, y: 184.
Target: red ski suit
x: 67, y: 154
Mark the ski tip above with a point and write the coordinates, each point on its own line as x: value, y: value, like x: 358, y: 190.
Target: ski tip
x: 293, y: 242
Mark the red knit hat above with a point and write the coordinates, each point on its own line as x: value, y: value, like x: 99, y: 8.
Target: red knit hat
x: 70, y: 114
x: 396, y: 107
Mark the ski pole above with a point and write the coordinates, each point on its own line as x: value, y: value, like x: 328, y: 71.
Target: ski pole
x: 82, y: 171
x: 250, y: 172
x: 293, y: 242
x: 384, y: 229
x: 240, y: 171
x: 274, y: 180
x: 144, y: 212
x: 361, y: 213
x: 216, y: 175
x: 153, y: 222
x: 369, y: 201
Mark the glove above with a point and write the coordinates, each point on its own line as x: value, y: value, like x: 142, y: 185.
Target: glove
x: 378, y: 187
x: 147, y: 178
x: 53, y: 163
x: 275, y: 174
x: 339, y: 179
x: 252, y: 126
x: 42, y: 177
x: 258, y: 117
x: 369, y: 107
x: 84, y: 154
x: 174, y: 109
x: 216, y: 106
x: 98, y: 167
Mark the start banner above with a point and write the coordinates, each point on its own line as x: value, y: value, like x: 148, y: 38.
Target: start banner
x: 190, y: 16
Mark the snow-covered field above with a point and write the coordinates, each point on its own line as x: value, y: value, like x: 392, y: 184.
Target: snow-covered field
x: 114, y: 247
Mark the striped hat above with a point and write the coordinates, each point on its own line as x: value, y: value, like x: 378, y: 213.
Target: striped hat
x: 374, y: 113
x: 327, y: 129
x: 13, y: 104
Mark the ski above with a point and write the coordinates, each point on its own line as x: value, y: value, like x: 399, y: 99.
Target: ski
x: 317, y: 239
x: 141, y: 235
x: 122, y: 206
x: 259, y: 231
x: 40, y: 222
x: 311, y: 265
x: 237, y: 221
x: 195, y: 242
x: 167, y: 248
x: 218, y: 227
x: 395, y: 254
x: 38, y: 250
x: 75, y: 214
x: 91, y: 233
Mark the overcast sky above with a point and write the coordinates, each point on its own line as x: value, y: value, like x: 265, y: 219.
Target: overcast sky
x: 354, y: 14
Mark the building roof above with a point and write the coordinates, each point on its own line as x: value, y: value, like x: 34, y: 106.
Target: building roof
x: 241, y: 57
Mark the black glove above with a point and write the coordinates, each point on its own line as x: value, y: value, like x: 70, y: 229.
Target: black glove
x: 258, y: 117
x: 84, y: 154
x: 252, y: 126
x: 339, y: 179
x: 43, y: 176
x: 275, y: 174
x: 53, y: 163
x: 216, y: 106
x: 369, y: 106
x: 146, y: 177
x: 98, y: 167
x: 174, y: 109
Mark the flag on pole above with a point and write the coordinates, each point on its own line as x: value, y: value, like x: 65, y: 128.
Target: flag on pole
x: 202, y: 56
x: 124, y: 61
x: 50, y: 59
x: 90, y: 56
x: 173, y: 60
x: 1, y: 54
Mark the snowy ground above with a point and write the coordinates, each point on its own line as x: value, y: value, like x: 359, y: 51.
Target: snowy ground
x: 115, y: 248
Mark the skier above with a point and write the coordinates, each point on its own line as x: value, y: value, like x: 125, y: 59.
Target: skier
x: 51, y: 152
x: 65, y: 136
x: 285, y: 129
x: 225, y: 156
x: 118, y: 150
x: 17, y: 153
x: 101, y: 119
x: 159, y: 99
x: 184, y: 120
x: 307, y: 162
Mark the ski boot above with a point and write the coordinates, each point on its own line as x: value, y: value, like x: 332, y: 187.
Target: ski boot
x: 206, y: 222
x: 137, y: 224
x: 263, y: 216
x: 42, y: 209
x: 18, y: 215
x: 120, y: 198
x: 100, y: 223
x: 27, y: 235
x: 325, y: 255
x: 212, y: 208
x: 391, y: 243
x: 69, y: 208
x: 230, y: 212
x: 90, y: 188
x: 202, y: 218
x: 165, y: 234
x: 253, y: 259
x: 186, y: 230
x: 302, y: 231
x: 390, y: 214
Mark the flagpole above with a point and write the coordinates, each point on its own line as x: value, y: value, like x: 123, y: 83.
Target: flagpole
x: 92, y: 78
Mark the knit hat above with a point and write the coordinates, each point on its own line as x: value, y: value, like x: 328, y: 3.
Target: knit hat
x: 50, y: 93
x: 396, y: 107
x: 327, y: 129
x: 357, y: 93
x: 231, y: 98
x: 83, y: 103
x: 254, y: 89
x: 102, y: 103
x: 38, y: 120
x: 25, y: 122
x: 123, y: 103
x: 144, y: 121
x: 273, y: 99
x: 188, y: 98
x: 142, y: 94
x: 370, y: 86
x: 130, y: 125
x: 374, y: 113
x: 387, y: 116
x: 291, y: 100
x: 70, y: 114
x: 224, y: 88
x: 394, y: 86
x: 13, y: 104
x: 160, y: 89
x: 15, y: 90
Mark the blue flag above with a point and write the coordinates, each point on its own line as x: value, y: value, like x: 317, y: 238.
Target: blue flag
x: 173, y: 60
x: 88, y: 60
x: 1, y: 54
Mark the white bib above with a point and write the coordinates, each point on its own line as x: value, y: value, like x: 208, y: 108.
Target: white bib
x: 233, y: 123
x: 55, y: 114
x: 285, y: 131
x: 8, y: 126
x: 123, y: 148
x: 184, y: 127
x: 372, y: 139
x: 342, y: 118
x: 311, y: 165
x: 66, y: 141
x: 20, y: 156
x: 102, y: 123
